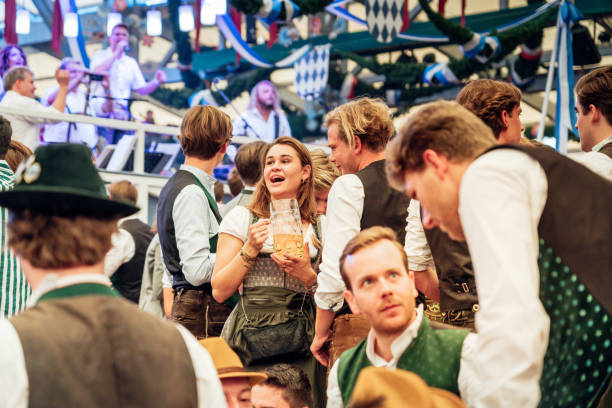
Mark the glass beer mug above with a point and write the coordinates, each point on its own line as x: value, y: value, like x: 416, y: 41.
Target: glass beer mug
x: 287, y: 227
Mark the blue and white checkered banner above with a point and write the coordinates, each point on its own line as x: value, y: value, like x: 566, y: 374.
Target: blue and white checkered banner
x: 385, y: 18
x: 565, y: 118
x: 311, y: 72
x: 229, y: 30
x: 77, y: 44
x: 337, y: 8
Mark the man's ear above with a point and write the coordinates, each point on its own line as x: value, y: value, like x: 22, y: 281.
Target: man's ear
x: 505, y: 117
x: 437, y: 161
x: 596, y: 113
x: 350, y: 299
x: 358, y: 146
x: 223, y: 148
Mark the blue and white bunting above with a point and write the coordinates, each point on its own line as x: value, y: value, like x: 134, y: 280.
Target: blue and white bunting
x: 439, y: 74
x: 271, y: 10
x: 476, y: 46
x: 229, y: 31
x: 565, y: 118
x: 337, y: 8
x: 311, y: 72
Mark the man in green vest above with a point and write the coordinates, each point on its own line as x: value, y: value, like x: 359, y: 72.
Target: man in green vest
x: 188, y: 221
x: 379, y: 287
x: 539, y: 229
x: 80, y: 343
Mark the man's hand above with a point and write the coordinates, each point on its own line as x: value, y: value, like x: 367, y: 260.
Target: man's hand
x: 62, y: 77
x: 122, y: 46
x: 319, y: 347
x: 160, y: 76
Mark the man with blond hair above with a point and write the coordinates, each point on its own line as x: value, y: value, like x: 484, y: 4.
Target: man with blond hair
x: 542, y: 266
x: 357, y: 133
x: 79, y: 343
x: 188, y: 221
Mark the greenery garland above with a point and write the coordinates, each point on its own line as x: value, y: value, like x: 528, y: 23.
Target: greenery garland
x: 306, y: 6
x: 508, y: 39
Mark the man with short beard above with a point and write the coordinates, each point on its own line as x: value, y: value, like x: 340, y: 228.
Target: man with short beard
x: 381, y: 289
x: 263, y: 119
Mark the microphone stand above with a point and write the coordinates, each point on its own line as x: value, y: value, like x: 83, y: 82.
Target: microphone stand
x: 227, y: 101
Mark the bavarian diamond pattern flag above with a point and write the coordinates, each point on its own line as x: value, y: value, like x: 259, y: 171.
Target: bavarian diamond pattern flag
x: 385, y: 18
x: 311, y: 72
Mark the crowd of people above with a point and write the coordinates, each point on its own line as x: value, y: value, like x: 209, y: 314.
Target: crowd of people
x: 103, y: 91
x: 448, y: 263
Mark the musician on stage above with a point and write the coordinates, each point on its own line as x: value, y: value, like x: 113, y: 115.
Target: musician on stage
x: 66, y: 132
x: 263, y: 119
x: 123, y: 72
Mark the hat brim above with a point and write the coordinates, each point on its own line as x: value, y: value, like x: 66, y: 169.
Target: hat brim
x: 64, y: 201
x: 254, y: 377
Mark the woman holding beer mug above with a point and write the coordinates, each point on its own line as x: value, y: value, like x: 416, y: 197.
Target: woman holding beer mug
x: 269, y: 253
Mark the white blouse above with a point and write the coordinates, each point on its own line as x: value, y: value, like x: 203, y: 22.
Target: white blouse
x: 238, y: 221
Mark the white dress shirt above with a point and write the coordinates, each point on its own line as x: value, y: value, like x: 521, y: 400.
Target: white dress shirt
x: 14, y: 384
x: 26, y: 129
x: 466, y: 380
x: 416, y: 246
x: 79, y: 132
x: 260, y: 128
x: 122, y: 250
x: 596, y: 161
x: 194, y: 225
x: 343, y: 222
x: 501, y: 199
x: 124, y: 76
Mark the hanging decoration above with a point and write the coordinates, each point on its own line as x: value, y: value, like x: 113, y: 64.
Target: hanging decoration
x: 280, y: 10
x: 22, y: 23
x: 154, y: 22
x: 10, y: 14
x: 186, y: 20
x: 337, y: 8
x: 270, y: 11
x: 230, y: 32
x: 562, y: 55
x: 385, y: 18
x: 64, y: 14
x: 311, y: 72
x: 71, y: 25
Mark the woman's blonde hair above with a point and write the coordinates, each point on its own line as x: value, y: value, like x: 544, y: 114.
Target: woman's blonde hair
x: 324, y: 171
x: 260, y: 205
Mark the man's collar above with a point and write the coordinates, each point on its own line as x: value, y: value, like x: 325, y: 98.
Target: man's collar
x: 53, y: 282
x: 205, y: 178
x: 601, y: 144
x: 401, y: 343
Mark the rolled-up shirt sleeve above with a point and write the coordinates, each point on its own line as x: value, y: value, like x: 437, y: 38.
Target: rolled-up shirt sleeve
x: 416, y: 247
x: 191, y: 216
x: 344, y: 210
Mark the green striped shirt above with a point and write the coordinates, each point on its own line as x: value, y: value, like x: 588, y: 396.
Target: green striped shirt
x: 14, y: 289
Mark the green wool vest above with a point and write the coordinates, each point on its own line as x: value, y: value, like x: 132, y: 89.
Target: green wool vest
x: 435, y: 355
x: 85, y: 347
x: 578, y: 361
